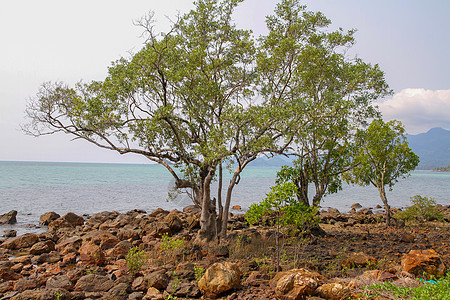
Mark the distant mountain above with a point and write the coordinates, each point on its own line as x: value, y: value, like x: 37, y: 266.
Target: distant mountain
x: 433, y: 148
x: 276, y: 161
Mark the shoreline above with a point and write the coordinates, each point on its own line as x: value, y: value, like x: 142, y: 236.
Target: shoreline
x: 74, y: 252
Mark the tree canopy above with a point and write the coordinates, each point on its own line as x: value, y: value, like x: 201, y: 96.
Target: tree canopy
x: 306, y: 67
x: 384, y: 157
x: 207, y: 92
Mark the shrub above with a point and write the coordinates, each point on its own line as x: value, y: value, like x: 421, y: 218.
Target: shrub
x: 422, y: 209
x: 135, y: 259
x: 170, y: 243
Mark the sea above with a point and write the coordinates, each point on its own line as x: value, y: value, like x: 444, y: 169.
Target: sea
x: 34, y: 188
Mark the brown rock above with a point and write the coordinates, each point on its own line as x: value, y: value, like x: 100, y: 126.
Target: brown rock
x: 173, y: 221
x: 334, y: 291
x: 91, y: 254
x: 153, y: 294
x: 120, y: 250
x: 296, y: 284
x: 157, y: 229
x: 59, y: 224
x: 6, y: 286
x: 23, y: 241
x: 46, y: 218
x: 94, y: 283
x: 6, y: 269
x: 104, y: 239
x: 28, y: 295
x: 9, y: 218
x: 358, y: 260
x: 423, y: 263
x: 129, y: 234
x: 42, y: 247
x: 118, y: 292
x: 61, y: 281
x: 73, y: 219
x: 219, y: 278
x: 74, y: 242
x: 25, y: 284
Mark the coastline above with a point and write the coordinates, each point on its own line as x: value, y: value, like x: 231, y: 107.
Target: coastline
x: 75, y: 252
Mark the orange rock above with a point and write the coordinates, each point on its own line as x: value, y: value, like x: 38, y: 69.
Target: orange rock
x: 423, y: 263
x: 90, y: 253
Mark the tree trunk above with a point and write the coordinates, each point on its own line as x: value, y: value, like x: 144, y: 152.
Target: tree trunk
x: 219, y: 200
x: 386, y: 205
x: 208, y: 229
x: 223, y: 232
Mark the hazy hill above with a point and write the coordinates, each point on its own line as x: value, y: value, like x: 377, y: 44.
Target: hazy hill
x: 433, y: 148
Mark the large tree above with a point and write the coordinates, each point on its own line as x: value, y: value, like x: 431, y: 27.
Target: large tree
x: 306, y: 67
x: 182, y: 101
x: 384, y: 157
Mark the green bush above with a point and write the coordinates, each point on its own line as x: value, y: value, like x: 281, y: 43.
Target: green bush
x: 171, y: 243
x: 422, y: 209
x: 135, y: 259
x: 438, y: 290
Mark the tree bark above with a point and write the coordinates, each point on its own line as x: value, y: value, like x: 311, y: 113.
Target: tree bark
x: 383, y: 197
x: 208, y: 228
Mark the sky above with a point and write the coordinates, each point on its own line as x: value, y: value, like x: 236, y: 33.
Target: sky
x: 69, y: 41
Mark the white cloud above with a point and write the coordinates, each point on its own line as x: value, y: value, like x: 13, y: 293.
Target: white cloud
x: 418, y: 109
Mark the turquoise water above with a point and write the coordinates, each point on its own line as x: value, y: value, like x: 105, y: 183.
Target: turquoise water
x: 33, y: 188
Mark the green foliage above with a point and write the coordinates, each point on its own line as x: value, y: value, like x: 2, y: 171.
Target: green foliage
x: 289, y: 213
x: 135, y: 259
x: 383, y: 157
x: 428, y: 291
x: 326, y: 95
x: 171, y: 243
x: 422, y: 209
x: 198, y: 271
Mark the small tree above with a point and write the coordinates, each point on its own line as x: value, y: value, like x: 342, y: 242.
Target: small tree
x: 281, y: 203
x: 384, y: 157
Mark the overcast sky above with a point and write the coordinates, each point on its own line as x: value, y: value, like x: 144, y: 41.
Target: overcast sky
x: 59, y: 40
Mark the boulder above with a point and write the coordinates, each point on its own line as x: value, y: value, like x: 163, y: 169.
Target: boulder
x: 42, y: 247
x: 104, y: 239
x: 157, y: 280
x: 153, y: 294
x: 129, y: 234
x: 334, y: 291
x: 74, y: 242
x: 157, y: 229
x: 23, y: 241
x: 48, y: 217
x: 296, y: 284
x: 94, y: 283
x: 10, y: 233
x: 6, y: 269
x: 358, y: 260
x: 220, y: 278
x: 120, y: 250
x: 9, y: 218
x: 25, y: 284
x: 173, y: 221
x: 91, y: 253
x: 423, y: 263
x: 73, y: 219
x: 59, y: 282
x: 118, y: 292
x: 59, y: 224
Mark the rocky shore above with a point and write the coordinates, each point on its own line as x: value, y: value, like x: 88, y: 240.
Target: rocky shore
x: 140, y: 255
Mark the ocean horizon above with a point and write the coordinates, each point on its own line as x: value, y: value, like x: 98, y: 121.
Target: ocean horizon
x: 34, y: 188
